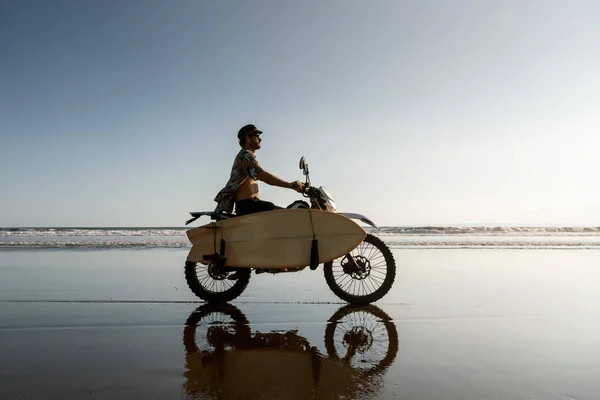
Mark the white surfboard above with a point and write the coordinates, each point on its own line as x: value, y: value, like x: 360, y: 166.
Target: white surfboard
x: 276, y: 239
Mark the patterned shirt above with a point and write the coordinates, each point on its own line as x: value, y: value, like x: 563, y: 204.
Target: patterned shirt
x: 245, y: 165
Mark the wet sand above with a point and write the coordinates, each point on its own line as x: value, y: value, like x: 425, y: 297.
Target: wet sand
x: 458, y: 324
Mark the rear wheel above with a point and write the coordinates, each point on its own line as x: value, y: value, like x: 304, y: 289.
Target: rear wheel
x: 216, y: 284
x: 210, y: 327
x: 364, y: 275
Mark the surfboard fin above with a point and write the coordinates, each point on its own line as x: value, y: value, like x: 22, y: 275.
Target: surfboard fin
x: 314, y: 254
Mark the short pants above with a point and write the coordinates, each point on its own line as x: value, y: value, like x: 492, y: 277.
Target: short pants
x: 253, y: 205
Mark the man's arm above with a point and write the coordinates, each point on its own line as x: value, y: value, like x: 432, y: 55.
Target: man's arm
x: 273, y: 180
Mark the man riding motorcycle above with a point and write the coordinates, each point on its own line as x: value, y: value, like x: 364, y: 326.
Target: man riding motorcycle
x: 242, y: 187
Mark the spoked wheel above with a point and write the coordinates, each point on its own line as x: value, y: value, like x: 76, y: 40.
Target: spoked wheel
x: 210, y: 326
x: 364, y: 337
x: 216, y: 284
x: 364, y: 275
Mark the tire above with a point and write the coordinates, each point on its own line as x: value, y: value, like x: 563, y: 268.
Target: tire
x: 379, y: 345
x: 198, y: 285
x: 376, y: 258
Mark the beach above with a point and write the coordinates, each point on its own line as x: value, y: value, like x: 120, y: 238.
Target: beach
x: 491, y: 323
x: 461, y: 136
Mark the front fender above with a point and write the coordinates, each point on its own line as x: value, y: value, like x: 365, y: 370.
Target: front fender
x: 360, y: 217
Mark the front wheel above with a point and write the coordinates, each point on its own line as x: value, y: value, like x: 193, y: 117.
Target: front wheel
x: 362, y: 336
x: 364, y: 275
x: 216, y: 284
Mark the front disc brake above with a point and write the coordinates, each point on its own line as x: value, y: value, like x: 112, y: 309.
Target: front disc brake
x: 358, y: 267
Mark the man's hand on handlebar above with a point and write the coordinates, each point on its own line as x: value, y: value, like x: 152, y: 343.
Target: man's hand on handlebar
x: 297, y: 186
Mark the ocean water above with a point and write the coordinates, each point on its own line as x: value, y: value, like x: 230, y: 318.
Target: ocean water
x: 441, y: 237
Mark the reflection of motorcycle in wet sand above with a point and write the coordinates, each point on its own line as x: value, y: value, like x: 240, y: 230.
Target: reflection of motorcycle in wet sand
x: 224, y: 359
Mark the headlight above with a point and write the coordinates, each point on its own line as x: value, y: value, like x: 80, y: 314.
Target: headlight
x: 326, y: 193
x: 328, y: 199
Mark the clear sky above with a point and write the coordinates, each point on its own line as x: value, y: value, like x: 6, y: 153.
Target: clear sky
x: 125, y: 113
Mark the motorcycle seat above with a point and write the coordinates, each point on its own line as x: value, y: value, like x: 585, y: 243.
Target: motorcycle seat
x: 221, y: 216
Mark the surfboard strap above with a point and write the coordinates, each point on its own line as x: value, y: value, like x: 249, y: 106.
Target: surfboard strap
x: 221, y: 262
x: 217, y: 258
x: 214, y: 232
x: 314, y: 246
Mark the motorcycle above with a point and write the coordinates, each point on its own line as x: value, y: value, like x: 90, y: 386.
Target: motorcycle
x: 225, y: 359
x: 363, y: 275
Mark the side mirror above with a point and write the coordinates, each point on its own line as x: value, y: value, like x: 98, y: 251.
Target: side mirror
x: 303, y: 166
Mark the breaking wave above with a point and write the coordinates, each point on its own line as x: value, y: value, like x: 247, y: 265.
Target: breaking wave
x: 430, y: 237
x: 491, y: 231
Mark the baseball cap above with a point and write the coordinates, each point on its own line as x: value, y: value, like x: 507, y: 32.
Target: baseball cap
x: 248, y: 130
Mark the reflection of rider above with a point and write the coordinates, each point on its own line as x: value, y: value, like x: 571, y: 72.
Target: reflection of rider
x: 242, y: 187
